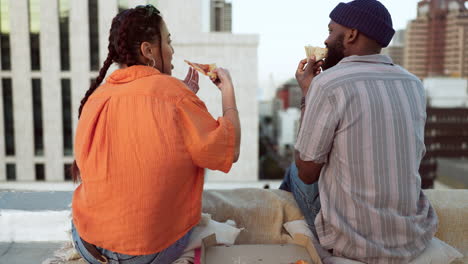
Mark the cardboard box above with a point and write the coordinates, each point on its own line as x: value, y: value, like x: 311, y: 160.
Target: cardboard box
x: 301, y: 249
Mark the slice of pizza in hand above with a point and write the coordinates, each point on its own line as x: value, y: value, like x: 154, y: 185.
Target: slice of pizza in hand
x: 319, y: 53
x: 205, y: 69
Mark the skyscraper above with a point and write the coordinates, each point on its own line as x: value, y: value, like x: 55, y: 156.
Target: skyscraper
x: 437, y: 40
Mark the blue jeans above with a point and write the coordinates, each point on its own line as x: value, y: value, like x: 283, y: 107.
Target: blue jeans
x: 166, y: 256
x: 306, y: 195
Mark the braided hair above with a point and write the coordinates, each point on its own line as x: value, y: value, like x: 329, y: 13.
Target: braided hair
x: 129, y: 29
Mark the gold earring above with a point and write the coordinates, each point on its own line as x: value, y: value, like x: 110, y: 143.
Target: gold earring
x: 153, y: 64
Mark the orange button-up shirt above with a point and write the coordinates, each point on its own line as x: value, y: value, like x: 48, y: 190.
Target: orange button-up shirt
x: 142, y: 143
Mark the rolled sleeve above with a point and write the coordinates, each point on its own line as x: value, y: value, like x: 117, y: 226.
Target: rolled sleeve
x: 210, y: 142
x: 318, y: 127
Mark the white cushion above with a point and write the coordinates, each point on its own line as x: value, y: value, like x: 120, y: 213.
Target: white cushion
x: 226, y: 233
x: 437, y: 252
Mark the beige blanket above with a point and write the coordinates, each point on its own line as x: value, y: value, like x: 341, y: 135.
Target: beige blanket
x: 261, y: 212
x: 452, y: 209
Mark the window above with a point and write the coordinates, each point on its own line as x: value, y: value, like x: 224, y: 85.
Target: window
x: 11, y: 172
x: 64, y: 20
x: 67, y: 118
x: 221, y: 16
x: 93, y: 34
x: 5, y: 61
x: 218, y: 15
x: 34, y: 30
x: 37, y: 115
x: 227, y: 17
x: 67, y: 172
x: 40, y: 172
x: 7, y: 94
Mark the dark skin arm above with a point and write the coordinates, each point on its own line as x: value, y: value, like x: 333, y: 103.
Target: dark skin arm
x: 309, y: 171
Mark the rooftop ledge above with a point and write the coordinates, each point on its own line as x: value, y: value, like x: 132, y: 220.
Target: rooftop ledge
x: 69, y: 186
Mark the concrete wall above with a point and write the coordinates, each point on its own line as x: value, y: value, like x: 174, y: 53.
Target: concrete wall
x: 22, y: 90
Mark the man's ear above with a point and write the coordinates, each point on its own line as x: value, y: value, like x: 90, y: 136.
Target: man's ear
x: 145, y: 49
x: 352, y: 35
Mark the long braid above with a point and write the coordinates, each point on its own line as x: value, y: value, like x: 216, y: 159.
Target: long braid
x: 123, y: 46
x: 102, y: 73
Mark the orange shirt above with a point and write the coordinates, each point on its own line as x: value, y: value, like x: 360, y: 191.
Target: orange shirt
x: 142, y: 143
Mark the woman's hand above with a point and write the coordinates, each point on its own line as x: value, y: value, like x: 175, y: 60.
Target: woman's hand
x: 191, y: 80
x: 224, y: 80
x: 228, y: 98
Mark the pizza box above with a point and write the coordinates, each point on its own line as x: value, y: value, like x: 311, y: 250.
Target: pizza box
x: 301, y: 249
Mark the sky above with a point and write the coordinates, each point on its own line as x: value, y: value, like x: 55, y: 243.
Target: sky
x: 284, y: 27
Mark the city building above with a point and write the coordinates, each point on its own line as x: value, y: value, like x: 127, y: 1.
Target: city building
x: 269, y: 118
x: 446, y: 92
x: 52, y: 49
x: 396, y: 49
x: 437, y: 40
x: 290, y: 94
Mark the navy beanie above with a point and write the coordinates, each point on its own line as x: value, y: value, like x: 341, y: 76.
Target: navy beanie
x: 370, y: 17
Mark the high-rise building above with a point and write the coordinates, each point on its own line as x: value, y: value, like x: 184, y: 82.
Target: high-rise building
x: 51, y: 50
x: 437, y: 40
x: 290, y: 94
x: 221, y: 16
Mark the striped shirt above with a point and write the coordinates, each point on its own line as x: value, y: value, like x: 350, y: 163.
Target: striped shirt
x: 364, y: 119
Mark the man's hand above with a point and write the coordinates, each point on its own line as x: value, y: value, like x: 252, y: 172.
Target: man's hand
x: 191, y: 80
x: 306, y: 71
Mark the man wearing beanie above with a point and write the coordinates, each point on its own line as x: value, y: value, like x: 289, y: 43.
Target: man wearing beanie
x: 360, y: 144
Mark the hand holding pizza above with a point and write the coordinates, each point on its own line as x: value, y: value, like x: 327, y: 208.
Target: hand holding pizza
x: 219, y: 76
x: 306, y: 71
x: 223, y: 80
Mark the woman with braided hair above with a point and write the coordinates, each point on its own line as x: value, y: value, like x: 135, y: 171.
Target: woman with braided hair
x: 142, y: 144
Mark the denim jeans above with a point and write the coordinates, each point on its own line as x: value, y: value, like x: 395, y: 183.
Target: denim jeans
x: 306, y: 195
x: 166, y: 256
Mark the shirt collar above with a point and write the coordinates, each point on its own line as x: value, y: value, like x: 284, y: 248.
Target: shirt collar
x: 375, y: 58
x: 132, y: 73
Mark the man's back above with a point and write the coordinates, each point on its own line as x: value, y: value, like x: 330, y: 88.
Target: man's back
x: 371, y: 116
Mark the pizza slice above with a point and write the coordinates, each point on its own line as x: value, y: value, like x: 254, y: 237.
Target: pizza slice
x: 205, y: 69
x: 320, y: 53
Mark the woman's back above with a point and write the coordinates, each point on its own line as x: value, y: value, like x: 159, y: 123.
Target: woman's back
x: 141, y: 143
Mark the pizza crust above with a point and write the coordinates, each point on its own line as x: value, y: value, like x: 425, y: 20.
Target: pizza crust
x: 318, y: 52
